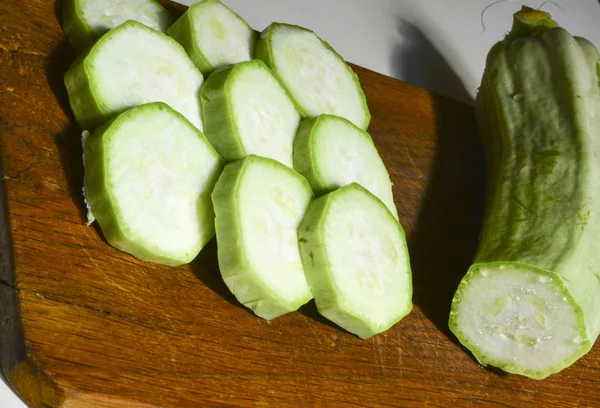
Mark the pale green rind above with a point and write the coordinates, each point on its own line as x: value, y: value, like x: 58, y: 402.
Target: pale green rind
x: 102, y: 201
x: 217, y: 115
x: 515, y: 367
x: 317, y: 265
x: 535, y: 106
x: 304, y: 155
x: 85, y: 97
x: 82, y: 35
x: 89, y: 110
x: 96, y: 192
x: 248, y: 288
x: 183, y: 30
x: 264, y: 52
x: 79, y: 33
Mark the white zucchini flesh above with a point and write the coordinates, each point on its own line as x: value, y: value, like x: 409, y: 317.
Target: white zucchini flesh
x: 356, y: 260
x: 259, y: 204
x: 149, y: 174
x: 214, y: 36
x: 247, y: 111
x: 84, y: 21
x: 316, y: 76
x: 129, y: 66
x: 332, y: 152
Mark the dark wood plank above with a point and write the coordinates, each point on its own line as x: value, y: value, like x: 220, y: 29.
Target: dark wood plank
x: 84, y: 325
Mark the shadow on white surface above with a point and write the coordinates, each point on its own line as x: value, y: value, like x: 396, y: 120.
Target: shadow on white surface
x: 417, y: 61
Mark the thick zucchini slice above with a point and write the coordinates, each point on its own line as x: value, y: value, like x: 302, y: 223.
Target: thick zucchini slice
x: 214, y: 36
x: 259, y: 204
x: 331, y: 152
x: 247, y: 111
x: 149, y: 174
x: 356, y: 259
x: 316, y: 76
x: 129, y: 66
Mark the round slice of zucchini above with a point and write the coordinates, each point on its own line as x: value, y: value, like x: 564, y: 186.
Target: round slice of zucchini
x: 356, y: 259
x: 247, y: 111
x: 214, y: 36
x: 331, y: 152
x: 316, y: 76
x: 149, y: 174
x: 129, y: 66
x: 259, y: 204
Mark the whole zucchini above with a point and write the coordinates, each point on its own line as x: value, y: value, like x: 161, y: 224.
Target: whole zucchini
x: 530, y: 303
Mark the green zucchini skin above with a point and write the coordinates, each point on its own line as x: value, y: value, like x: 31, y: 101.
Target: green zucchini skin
x: 89, y: 111
x: 215, y: 100
x: 182, y: 32
x: 538, y: 111
x: 80, y: 34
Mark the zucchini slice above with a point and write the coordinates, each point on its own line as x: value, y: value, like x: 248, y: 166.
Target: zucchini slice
x: 530, y: 303
x: 331, y: 152
x: 84, y: 21
x: 259, y: 204
x: 149, y: 174
x: 356, y: 260
x: 214, y: 36
x: 316, y: 76
x: 129, y: 66
x: 247, y: 111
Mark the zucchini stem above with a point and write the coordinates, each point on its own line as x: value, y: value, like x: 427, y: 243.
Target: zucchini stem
x: 530, y: 22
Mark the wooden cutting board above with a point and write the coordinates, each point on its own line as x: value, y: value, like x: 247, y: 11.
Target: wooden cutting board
x: 84, y: 325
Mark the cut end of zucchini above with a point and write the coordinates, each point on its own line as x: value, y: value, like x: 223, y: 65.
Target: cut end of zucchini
x: 259, y: 204
x: 247, y: 111
x: 356, y: 259
x: 148, y: 176
x: 129, y: 66
x: 316, y: 76
x: 84, y: 21
x: 519, y: 319
x: 332, y: 152
x: 214, y: 36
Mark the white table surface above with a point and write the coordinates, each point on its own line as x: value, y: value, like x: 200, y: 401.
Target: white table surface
x: 436, y: 44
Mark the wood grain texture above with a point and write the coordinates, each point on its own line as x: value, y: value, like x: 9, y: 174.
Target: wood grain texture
x: 84, y: 325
